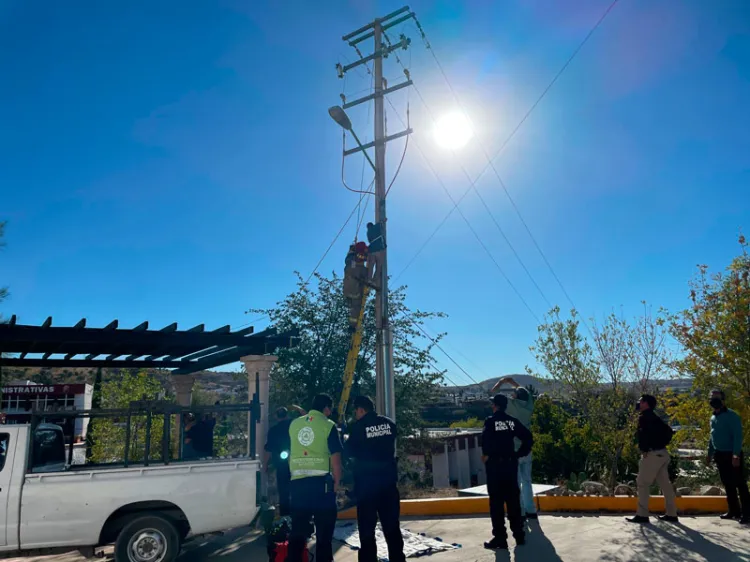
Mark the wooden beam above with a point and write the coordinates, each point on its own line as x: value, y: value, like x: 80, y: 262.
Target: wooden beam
x: 81, y: 324
x: 103, y: 363
x: 47, y: 323
x: 112, y: 325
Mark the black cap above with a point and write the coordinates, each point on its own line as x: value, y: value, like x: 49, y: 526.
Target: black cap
x: 500, y: 400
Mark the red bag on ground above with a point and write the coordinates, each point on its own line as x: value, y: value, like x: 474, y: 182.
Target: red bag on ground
x: 280, y: 551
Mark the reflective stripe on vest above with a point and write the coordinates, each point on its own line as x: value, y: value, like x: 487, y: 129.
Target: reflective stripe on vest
x: 309, y: 454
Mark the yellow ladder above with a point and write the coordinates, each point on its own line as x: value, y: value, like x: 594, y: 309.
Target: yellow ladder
x: 351, y: 359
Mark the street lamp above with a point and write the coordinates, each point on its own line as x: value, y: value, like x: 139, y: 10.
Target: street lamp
x: 338, y: 114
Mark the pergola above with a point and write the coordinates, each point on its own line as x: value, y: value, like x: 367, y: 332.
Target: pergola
x: 185, y: 352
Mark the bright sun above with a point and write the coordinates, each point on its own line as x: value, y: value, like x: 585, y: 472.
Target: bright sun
x: 453, y: 131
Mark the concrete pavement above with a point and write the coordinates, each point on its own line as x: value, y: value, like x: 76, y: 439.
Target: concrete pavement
x: 554, y: 538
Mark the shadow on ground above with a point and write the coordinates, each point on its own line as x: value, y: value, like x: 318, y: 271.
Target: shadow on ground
x: 677, y: 542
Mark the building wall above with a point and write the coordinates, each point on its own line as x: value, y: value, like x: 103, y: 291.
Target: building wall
x: 441, y: 469
x: 459, y: 462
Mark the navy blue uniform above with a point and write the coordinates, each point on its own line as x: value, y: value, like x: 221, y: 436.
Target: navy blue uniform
x: 279, y: 442
x: 498, y: 445
x: 372, y: 443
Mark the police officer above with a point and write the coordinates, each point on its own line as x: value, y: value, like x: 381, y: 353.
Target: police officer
x: 315, y: 467
x: 277, y: 452
x: 372, y: 443
x: 501, y: 459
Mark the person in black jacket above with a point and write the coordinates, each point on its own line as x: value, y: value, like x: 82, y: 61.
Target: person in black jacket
x: 653, y: 437
x: 277, y: 452
x: 501, y: 460
x: 372, y: 444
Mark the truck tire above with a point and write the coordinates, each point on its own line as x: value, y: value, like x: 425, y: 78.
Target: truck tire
x: 149, y: 538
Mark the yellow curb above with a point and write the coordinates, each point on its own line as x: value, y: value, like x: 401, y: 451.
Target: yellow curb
x: 618, y: 504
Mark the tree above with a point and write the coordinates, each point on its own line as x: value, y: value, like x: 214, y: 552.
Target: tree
x: 471, y: 423
x: 715, y: 333
x: 715, y: 330
x: 109, y: 434
x: 316, y: 364
x: 603, y: 377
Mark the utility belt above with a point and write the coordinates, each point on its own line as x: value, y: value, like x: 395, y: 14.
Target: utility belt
x: 502, y: 458
x: 375, y: 473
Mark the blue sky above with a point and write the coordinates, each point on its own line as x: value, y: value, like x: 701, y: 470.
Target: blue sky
x: 175, y: 160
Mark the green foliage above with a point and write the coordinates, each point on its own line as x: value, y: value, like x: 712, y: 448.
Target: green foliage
x: 575, y: 481
x: 471, y: 423
x: 230, y: 432
x: 108, y: 435
x: 559, y: 442
x: 601, y: 377
x: 715, y: 333
x: 316, y: 365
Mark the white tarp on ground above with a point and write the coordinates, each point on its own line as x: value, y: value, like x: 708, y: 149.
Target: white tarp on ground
x: 414, y: 544
x: 482, y: 490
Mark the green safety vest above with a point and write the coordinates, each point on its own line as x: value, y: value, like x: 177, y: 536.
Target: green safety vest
x: 309, y: 454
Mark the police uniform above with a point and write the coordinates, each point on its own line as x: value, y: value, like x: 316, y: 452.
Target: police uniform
x: 372, y: 443
x: 498, y: 445
x: 314, y: 439
x: 278, y: 445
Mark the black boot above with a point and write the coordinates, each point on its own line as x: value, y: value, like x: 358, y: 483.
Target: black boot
x: 637, y: 519
x: 497, y: 544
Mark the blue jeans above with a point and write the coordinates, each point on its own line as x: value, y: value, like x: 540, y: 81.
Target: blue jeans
x: 524, y: 483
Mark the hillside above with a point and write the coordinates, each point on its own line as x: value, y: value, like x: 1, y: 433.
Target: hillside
x: 542, y: 385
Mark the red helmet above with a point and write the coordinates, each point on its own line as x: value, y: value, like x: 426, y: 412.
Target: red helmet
x: 361, y: 248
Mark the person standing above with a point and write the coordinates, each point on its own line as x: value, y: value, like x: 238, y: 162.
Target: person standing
x: 372, y: 444
x: 315, y: 467
x: 521, y: 407
x: 500, y: 456
x: 725, y: 448
x: 277, y: 452
x: 653, y: 437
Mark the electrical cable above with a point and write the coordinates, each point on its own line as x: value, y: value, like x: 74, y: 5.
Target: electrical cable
x: 471, y: 227
x: 490, y: 163
x: 513, y: 133
x: 448, y: 355
x: 484, y: 203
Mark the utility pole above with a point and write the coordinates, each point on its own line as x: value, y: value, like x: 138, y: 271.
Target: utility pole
x: 385, y: 396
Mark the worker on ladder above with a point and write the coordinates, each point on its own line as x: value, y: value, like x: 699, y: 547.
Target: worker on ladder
x: 355, y: 280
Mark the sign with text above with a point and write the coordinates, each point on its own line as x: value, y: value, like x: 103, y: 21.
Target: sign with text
x: 45, y: 389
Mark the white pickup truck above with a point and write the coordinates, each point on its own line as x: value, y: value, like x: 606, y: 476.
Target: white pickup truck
x: 146, y: 511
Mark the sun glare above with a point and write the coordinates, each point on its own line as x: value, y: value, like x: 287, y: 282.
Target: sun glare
x: 452, y: 131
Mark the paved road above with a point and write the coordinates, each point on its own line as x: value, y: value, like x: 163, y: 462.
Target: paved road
x: 586, y: 538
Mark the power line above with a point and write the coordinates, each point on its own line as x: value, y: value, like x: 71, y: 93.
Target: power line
x: 448, y: 355
x: 484, y: 203
x: 490, y: 163
x: 468, y: 223
x: 515, y: 130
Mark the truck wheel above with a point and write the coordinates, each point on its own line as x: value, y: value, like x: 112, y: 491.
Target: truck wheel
x: 150, y: 538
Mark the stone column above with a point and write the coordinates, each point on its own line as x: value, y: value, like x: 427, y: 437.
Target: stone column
x: 260, y: 365
x: 183, y: 389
